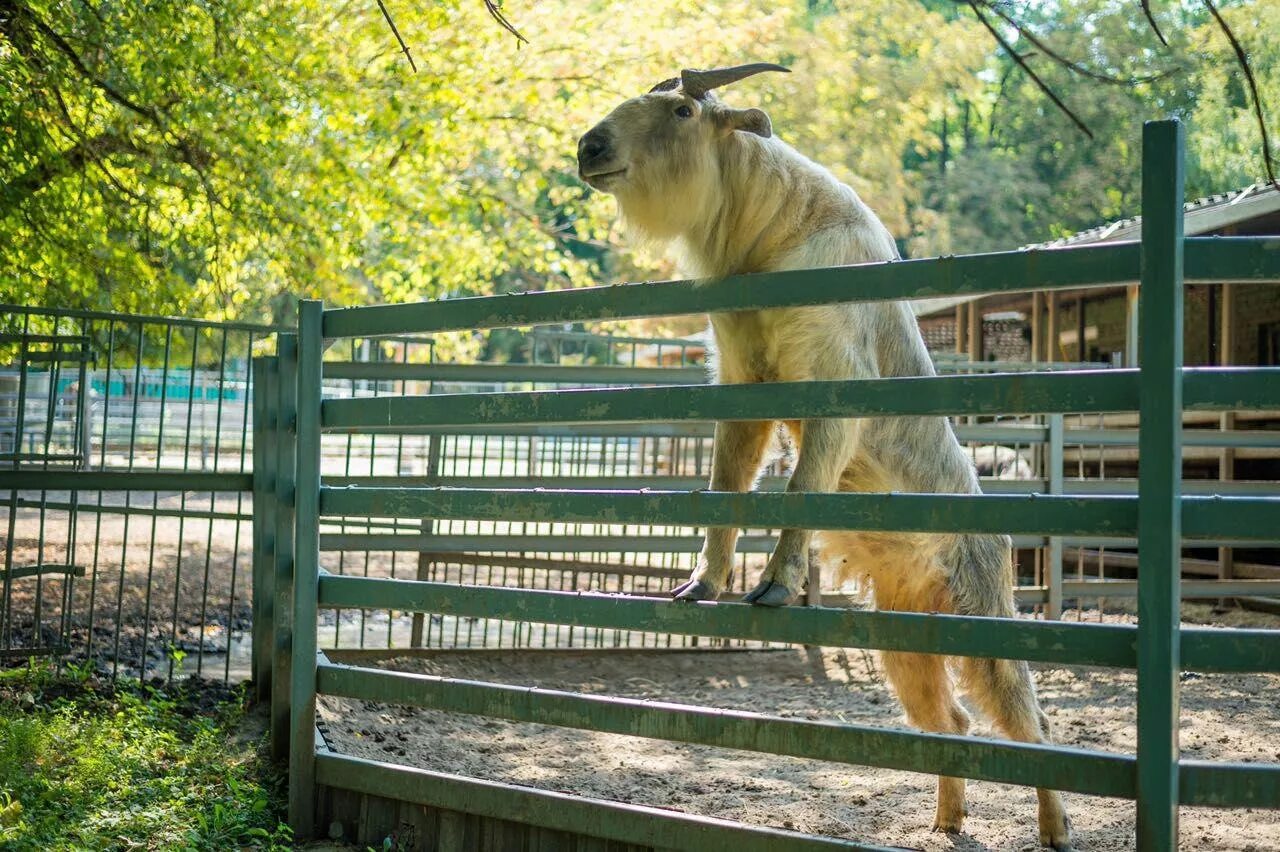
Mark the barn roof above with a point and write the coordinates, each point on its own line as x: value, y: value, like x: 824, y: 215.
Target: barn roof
x: 1207, y: 215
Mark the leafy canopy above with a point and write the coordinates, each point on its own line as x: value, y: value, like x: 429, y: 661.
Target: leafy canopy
x: 222, y: 158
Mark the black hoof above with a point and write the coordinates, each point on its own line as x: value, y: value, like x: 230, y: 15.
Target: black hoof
x: 694, y: 590
x: 771, y: 593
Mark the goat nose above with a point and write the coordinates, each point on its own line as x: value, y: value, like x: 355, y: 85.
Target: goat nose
x: 592, y: 146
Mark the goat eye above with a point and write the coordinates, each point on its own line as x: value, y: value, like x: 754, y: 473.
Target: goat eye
x: 684, y: 111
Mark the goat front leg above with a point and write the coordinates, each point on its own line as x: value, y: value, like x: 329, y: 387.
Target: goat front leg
x: 825, y: 449
x: 735, y: 462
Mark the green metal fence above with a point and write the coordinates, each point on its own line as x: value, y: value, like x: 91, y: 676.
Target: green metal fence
x: 1159, y: 516
x: 117, y: 552
x: 125, y: 490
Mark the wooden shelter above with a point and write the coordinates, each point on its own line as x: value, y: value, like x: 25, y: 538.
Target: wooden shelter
x: 1226, y: 325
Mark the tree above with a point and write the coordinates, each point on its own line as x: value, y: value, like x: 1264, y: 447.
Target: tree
x: 225, y: 157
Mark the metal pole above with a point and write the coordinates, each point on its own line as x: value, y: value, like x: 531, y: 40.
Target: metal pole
x: 261, y: 570
x: 306, y: 574
x: 282, y: 620
x: 1051, y: 328
x: 1159, y: 484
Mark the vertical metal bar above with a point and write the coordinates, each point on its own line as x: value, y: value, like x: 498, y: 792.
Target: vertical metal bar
x: 354, y: 355
x: 102, y: 465
x: 259, y: 654
x: 235, y: 544
x: 182, y: 498
x: 428, y: 527
x: 80, y: 439
x: 1037, y: 326
x: 83, y: 430
x: 6, y: 623
x: 213, y: 501
x: 306, y: 571
x: 1054, y: 578
x: 1051, y: 338
x: 50, y: 411
x: 976, y: 343
x: 286, y: 414
x: 124, y: 539
x: 271, y: 407
x: 155, y: 504
x: 404, y: 389
x: 1159, y: 484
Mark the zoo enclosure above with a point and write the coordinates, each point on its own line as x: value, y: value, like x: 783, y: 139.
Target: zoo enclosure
x: 1159, y: 515
x: 148, y: 576
x: 128, y: 423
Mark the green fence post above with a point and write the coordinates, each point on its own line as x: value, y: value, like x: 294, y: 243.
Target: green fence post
x: 271, y: 416
x: 261, y: 654
x: 282, y: 615
x: 306, y: 571
x: 1159, y: 484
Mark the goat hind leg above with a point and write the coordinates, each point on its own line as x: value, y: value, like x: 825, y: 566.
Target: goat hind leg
x: 1004, y: 691
x: 738, y: 451
x: 925, y: 690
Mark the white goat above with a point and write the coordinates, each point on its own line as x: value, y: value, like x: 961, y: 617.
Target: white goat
x: 714, y: 183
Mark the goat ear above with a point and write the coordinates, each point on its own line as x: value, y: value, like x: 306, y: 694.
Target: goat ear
x: 750, y: 120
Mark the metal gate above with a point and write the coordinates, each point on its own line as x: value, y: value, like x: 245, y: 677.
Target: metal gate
x: 124, y: 445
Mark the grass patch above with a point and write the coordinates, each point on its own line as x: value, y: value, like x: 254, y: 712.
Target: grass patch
x: 84, y: 765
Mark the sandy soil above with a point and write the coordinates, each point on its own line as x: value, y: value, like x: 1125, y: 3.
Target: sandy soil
x: 184, y: 586
x: 1225, y: 717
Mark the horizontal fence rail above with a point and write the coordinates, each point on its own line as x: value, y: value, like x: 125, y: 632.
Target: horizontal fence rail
x: 1071, y: 487
x: 142, y: 480
x: 1207, y: 389
x: 659, y: 827
x: 956, y: 755
x: 1242, y: 518
x: 1212, y: 259
x: 1112, y: 645
x: 510, y: 373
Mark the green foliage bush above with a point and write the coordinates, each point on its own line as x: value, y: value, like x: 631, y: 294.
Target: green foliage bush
x: 85, y: 766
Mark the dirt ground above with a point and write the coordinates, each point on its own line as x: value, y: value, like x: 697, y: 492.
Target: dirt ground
x: 1225, y: 717
x: 184, y: 586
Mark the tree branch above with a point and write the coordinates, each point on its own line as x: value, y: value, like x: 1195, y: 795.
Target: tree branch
x: 67, y: 161
x: 1151, y: 20
x: 1243, y: 59
x: 394, y: 31
x: 495, y: 11
x: 1071, y: 65
x: 1041, y: 84
x: 106, y: 88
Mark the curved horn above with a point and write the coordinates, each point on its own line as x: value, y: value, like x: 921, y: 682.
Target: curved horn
x: 698, y: 83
